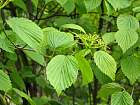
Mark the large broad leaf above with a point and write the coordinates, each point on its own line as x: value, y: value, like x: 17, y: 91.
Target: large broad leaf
x: 105, y: 63
x: 5, y: 82
x: 127, y: 22
x: 92, y: 4
x: 126, y: 39
x: 56, y: 39
x: 85, y: 69
x: 27, y: 30
x: 22, y: 94
x: 108, y: 89
x: 121, y: 98
x: 35, y: 56
x: 62, y: 72
x: 109, y: 37
x: 73, y: 26
x: 119, y: 4
x: 131, y: 68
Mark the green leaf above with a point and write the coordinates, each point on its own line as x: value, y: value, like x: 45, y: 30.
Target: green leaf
x: 59, y: 21
x: 62, y: 72
x: 105, y: 63
x: 73, y: 26
x: 47, y: 1
x: 5, y: 43
x: 126, y: 39
x: 138, y: 16
x: 127, y: 22
x: 85, y: 69
x: 41, y: 100
x: 17, y: 80
x: 83, y: 52
x: 56, y: 39
x: 68, y: 5
x: 92, y: 4
x: 136, y: 9
x: 121, y: 98
x: 108, y: 89
x: 62, y: 2
x: 35, y: 2
x: 80, y: 6
x: 109, y: 37
x: 102, y: 78
x: 109, y: 8
x: 22, y: 94
x: 131, y: 68
x: 27, y: 30
x: 119, y: 4
x: 20, y: 4
x: 89, y: 23
x: 41, y: 81
x: 35, y: 56
x: 5, y: 82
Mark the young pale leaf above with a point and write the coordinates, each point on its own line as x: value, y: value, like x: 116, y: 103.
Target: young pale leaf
x: 92, y: 4
x: 108, y: 89
x: 85, y: 69
x: 27, y: 30
x: 119, y: 4
x: 127, y: 22
x: 73, y: 26
x: 35, y: 56
x: 121, y: 98
x: 126, y: 39
x: 105, y: 63
x: 22, y: 94
x: 131, y: 68
x: 62, y: 72
x: 56, y: 39
x: 5, y: 82
x: 109, y: 37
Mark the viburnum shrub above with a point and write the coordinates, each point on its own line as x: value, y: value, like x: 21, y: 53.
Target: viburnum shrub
x: 69, y: 52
